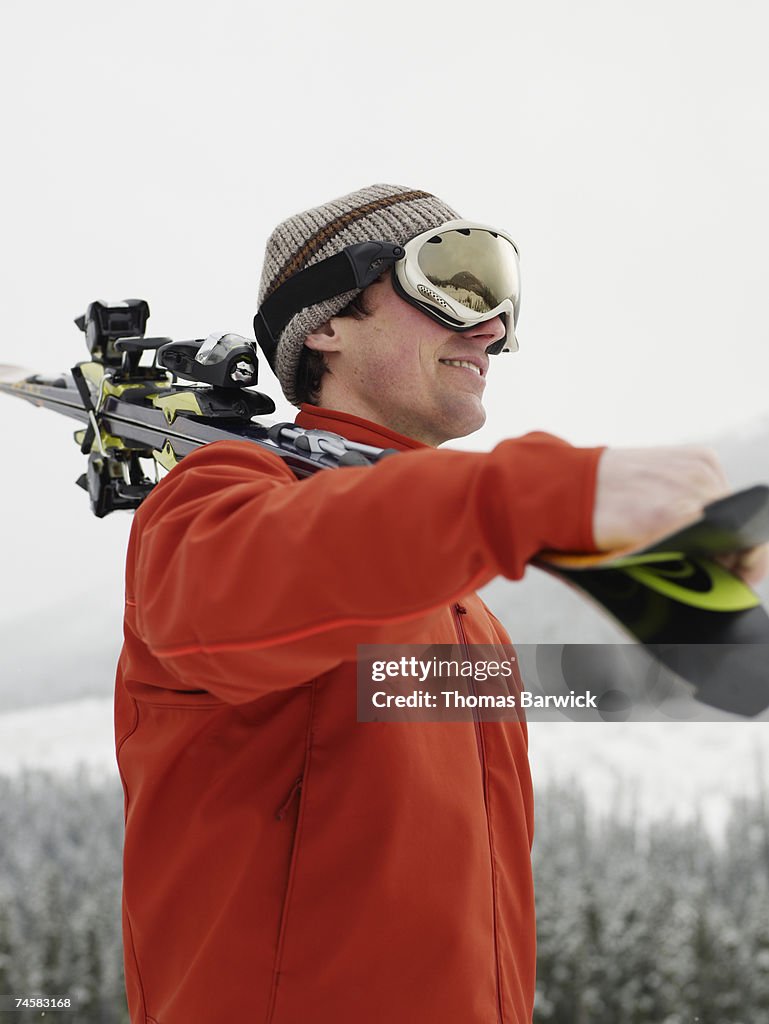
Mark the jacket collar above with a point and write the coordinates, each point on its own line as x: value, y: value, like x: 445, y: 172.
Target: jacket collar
x: 314, y: 417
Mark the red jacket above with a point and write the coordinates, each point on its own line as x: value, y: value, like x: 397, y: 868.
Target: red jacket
x: 283, y: 863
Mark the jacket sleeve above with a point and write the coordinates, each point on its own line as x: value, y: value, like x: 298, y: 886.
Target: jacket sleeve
x: 242, y: 579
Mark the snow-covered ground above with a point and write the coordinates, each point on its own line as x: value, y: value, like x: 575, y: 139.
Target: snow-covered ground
x: 649, y: 770
x: 58, y: 737
x: 653, y: 770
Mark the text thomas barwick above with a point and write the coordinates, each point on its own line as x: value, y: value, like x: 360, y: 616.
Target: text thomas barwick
x: 455, y: 699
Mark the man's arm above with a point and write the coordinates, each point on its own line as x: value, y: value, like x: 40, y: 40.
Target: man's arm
x: 242, y: 579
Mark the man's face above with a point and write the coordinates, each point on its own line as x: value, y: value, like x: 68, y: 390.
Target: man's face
x: 398, y: 367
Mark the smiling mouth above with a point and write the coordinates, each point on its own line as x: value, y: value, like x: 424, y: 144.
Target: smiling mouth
x: 462, y: 363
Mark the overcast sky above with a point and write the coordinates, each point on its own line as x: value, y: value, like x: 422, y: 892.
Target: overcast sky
x: 148, y: 150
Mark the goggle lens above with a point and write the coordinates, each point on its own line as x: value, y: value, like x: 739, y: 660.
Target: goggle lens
x: 475, y: 266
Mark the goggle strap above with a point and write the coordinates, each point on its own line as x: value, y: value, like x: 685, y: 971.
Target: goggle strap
x: 356, y: 267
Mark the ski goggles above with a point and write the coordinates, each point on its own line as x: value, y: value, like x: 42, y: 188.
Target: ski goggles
x: 459, y: 274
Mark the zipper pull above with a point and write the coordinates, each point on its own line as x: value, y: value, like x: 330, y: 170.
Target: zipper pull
x: 281, y: 813
x: 461, y: 610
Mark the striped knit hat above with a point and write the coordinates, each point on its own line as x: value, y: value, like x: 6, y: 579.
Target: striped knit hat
x: 390, y: 213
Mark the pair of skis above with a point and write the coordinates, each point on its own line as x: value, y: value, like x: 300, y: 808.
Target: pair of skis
x: 693, y: 615
x: 688, y: 611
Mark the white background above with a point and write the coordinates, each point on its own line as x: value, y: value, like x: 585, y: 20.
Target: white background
x: 148, y: 150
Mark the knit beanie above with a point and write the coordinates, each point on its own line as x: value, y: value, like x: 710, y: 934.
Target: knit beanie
x: 389, y: 213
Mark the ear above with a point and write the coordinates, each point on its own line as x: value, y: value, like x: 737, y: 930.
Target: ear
x: 324, y: 339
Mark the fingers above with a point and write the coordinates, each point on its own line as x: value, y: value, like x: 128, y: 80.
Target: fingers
x: 643, y: 493
x: 752, y: 565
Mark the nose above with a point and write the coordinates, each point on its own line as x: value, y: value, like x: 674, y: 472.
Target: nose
x: 488, y: 331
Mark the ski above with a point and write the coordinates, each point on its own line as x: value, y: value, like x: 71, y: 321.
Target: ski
x: 137, y: 420
x: 697, y: 618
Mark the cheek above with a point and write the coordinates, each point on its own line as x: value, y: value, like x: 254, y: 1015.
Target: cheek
x: 387, y: 360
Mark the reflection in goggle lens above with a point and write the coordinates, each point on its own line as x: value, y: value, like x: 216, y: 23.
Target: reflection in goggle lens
x: 446, y: 261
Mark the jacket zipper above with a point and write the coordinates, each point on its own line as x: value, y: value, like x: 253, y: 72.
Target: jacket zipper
x: 281, y: 812
x: 460, y: 610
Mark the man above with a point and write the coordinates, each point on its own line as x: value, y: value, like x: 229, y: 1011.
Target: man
x: 283, y: 862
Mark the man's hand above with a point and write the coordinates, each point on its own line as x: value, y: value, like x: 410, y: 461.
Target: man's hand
x: 643, y: 493
x: 751, y: 566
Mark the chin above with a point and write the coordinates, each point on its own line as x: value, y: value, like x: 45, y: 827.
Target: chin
x: 465, y: 422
